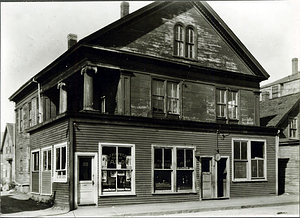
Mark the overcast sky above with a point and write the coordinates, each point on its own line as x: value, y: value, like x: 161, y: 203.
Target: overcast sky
x: 34, y: 34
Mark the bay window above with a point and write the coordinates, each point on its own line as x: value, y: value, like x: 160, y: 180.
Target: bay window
x: 116, y: 169
x: 173, y: 169
x: 249, y: 160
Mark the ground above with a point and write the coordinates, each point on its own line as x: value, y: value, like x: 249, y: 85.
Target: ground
x: 13, y: 203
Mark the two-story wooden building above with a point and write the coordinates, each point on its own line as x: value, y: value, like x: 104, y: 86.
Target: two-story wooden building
x: 160, y: 106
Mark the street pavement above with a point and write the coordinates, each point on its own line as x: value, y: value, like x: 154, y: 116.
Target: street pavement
x: 160, y: 209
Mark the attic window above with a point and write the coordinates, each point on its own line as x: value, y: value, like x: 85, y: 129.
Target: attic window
x: 184, y: 41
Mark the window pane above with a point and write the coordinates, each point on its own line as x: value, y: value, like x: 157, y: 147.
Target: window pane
x: 57, y: 158
x: 124, y: 157
x: 184, y: 179
x: 244, y: 150
x: 123, y: 181
x: 158, y: 87
x: 189, y: 159
x: 260, y: 168
x: 109, y: 181
x: 49, y: 160
x: 173, y: 105
x: 240, y: 169
x: 109, y: 153
x: 162, y: 179
x: 158, y: 158
x: 158, y: 103
x: 45, y: 165
x: 36, y: 161
x: 257, y: 150
x: 63, y: 158
x: 172, y: 90
x: 237, y: 152
x: 167, y: 158
x: 254, y: 168
x: 205, y: 165
x: 221, y: 96
x: 85, y: 171
x: 180, y: 158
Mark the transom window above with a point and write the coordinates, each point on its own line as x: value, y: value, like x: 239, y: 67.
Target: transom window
x: 227, y: 104
x: 293, y: 133
x: 184, y: 41
x: 117, y: 169
x: 60, y: 164
x: 173, y: 169
x: 249, y: 160
x: 165, y: 96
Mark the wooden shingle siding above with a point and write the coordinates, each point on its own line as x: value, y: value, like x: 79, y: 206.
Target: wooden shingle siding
x: 88, y: 136
x: 247, y: 107
x: 46, y: 182
x: 198, y: 102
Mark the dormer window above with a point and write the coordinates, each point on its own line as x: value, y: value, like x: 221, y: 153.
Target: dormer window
x: 184, y: 41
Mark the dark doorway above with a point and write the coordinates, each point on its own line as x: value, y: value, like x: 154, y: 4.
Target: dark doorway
x: 222, y: 178
x: 282, y: 163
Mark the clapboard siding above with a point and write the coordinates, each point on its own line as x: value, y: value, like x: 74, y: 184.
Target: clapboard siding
x: 35, y: 182
x: 88, y: 136
x: 54, y: 134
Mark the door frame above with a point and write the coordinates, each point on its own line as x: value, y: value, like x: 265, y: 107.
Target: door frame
x: 94, y: 172
x: 214, y: 171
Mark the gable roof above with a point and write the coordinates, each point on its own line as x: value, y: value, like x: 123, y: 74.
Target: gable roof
x: 274, y: 111
x: 9, y: 131
x: 145, y: 13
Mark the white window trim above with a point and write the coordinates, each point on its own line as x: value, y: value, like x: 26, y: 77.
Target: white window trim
x: 174, y: 169
x: 54, y: 177
x: 132, y: 192
x: 289, y: 127
x: 32, y: 167
x: 248, y: 178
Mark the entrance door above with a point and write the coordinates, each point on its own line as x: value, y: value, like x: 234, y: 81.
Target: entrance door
x: 207, y: 178
x: 222, y: 178
x: 214, y: 178
x: 86, y: 184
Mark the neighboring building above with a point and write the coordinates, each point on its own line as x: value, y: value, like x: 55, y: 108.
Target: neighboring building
x: 282, y: 110
x: 160, y: 106
x: 8, y: 156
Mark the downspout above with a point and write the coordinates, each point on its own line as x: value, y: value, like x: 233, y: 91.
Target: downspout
x: 276, y: 158
x: 39, y: 101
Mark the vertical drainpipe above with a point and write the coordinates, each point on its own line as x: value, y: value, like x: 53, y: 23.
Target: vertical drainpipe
x: 276, y: 158
x: 71, y: 165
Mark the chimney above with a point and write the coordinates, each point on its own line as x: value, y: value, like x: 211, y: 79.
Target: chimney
x: 295, y: 65
x: 72, y: 40
x: 124, y: 9
x: 265, y: 96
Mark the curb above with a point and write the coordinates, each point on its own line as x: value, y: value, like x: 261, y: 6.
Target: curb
x: 156, y: 213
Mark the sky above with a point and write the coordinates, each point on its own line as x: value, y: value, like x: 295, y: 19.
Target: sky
x: 33, y: 34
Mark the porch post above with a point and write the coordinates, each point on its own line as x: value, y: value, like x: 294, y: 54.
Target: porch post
x: 62, y: 97
x: 88, y: 89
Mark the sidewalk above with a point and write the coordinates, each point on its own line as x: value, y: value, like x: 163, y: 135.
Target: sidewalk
x: 166, y: 208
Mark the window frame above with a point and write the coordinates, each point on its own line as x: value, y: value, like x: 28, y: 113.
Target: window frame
x: 33, y: 160
x: 174, y: 169
x: 181, y: 45
x: 227, y: 105
x: 47, y: 149
x: 55, y: 171
x: 116, y: 193
x: 290, y: 121
x: 249, y: 177
x: 166, y: 96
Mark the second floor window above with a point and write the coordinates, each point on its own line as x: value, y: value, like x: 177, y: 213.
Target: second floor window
x: 227, y: 104
x: 165, y: 96
x: 293, y: 133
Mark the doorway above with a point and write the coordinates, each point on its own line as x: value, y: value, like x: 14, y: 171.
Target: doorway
x: 86, y: 179
x: 214, y: 177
